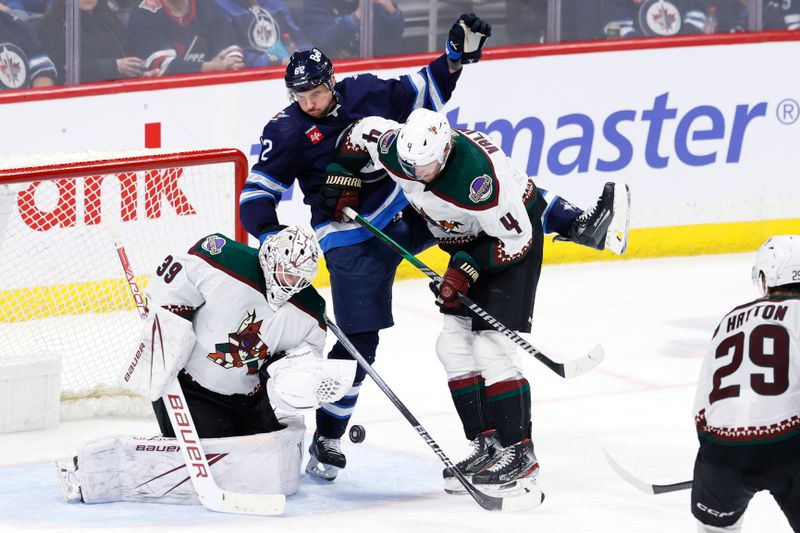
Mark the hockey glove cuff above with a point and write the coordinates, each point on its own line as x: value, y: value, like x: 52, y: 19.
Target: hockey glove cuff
x: 461, y: 274
x: 341, y: 189
x: 466, y: 39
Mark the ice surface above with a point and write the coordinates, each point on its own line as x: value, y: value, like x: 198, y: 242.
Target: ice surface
x: 653, y: 317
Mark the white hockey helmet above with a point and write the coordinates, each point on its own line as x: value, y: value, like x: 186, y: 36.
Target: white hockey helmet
x: 777, y: 262
x: 289, y: 260
x: 423, y: 139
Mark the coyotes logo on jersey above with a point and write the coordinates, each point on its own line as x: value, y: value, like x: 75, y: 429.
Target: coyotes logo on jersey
x: 244, y: 347
x: 448, y: 226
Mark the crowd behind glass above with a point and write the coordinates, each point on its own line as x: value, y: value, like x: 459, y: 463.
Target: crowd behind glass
x: 57, y: 42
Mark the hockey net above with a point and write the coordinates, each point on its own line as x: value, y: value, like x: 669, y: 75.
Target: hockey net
x: 63, y: 290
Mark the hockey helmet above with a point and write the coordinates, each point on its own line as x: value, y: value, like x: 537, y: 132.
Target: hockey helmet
x: 289, y: 260
x: 423, y: 139
x: 308, y: 69
x: 777, y: 262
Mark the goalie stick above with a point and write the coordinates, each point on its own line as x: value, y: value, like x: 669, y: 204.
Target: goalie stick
x: 211, y: 496
x: 521, y: 502
x: 644, y: 486
x: 569, y: 369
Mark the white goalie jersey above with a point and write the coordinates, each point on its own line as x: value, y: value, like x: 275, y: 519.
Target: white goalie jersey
x: 219, y: 286
x: 480, y: 191
x: 749, y: 388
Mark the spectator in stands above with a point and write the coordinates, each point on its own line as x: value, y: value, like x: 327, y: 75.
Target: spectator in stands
x: 527, y: 21
x: 335, y: 26
x: 782, y: 14
x: 26, y: 9
x: 104, y: 50
x: 23, y: 61
x: 266, y: 31
x: 184, y: 36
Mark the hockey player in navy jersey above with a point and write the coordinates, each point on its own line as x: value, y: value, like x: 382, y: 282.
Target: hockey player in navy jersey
x: 298, y: 143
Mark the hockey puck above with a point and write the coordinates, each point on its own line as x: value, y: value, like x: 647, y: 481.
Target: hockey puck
x: 357, y: 433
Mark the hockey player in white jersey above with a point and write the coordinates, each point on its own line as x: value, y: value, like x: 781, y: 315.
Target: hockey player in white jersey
x: 239, y: 328
x: 488, y: 216
x: 747, y: 408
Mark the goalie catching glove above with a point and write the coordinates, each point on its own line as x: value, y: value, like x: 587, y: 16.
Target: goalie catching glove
x: 299, y: 379
x: 461, y: 274
x: 341, y: 189
x: 467, y: 36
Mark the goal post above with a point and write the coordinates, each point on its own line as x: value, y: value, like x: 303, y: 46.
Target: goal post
x: 63, y: 290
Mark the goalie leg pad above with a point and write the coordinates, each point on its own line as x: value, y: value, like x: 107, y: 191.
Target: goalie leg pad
x: 162, y: 350
x: 136, y: 469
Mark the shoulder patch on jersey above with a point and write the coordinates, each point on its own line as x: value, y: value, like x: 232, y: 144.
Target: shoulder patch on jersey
x: 213, y: 244
x: 152, y: 6
x: 480, y: 188
x: 310, y: 302
x: 385, y: 142
x: 237, y: 260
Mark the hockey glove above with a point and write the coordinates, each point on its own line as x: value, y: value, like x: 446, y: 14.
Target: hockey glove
x: 461, y: 273
x: 341, y: 189
x: 466, y: 38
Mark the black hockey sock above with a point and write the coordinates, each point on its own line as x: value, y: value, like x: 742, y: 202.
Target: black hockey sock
x: 469, y: 397
x: 510, y: 407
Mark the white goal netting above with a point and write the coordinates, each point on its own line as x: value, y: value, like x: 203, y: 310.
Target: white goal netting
x: 62, y: 287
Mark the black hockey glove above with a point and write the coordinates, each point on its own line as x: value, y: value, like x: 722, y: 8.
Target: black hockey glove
x: 466, y: 38
x: 341, y: 189
x: 461, y: 273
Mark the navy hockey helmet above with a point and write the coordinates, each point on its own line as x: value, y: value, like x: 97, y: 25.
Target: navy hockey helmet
x: 308, y: 69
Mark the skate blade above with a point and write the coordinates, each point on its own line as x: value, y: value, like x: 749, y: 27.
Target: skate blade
x: 519, y: 495
x: 617, y: 234
x: 453, y: 486
x: 321, y: 470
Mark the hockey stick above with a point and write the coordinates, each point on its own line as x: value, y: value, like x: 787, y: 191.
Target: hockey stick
x: 522, y: 502
x: 211, y: 496
x: 570, y: 369
x: 648, y: 488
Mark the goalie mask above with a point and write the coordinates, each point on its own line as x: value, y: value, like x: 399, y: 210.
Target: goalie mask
x: 422, y: 140
x: 777, y: 262
x: 289, y: 260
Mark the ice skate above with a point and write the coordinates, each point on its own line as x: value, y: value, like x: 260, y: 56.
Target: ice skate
x: 513, y: 478
x: 326, y: 458
x: 606, y: 225
x: 68, y: 479
x: 485, y: 450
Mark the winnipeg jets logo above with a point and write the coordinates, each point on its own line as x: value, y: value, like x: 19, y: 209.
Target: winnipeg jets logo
x: 13, y: 67
x: 264, y: 31
x: 659, y: 17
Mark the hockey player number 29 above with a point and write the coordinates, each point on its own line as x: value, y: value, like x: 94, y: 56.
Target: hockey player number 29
x: 768, y: 347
